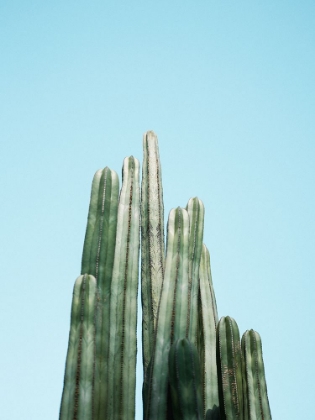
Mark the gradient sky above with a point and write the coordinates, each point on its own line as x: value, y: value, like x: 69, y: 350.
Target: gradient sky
x: 229, y: 88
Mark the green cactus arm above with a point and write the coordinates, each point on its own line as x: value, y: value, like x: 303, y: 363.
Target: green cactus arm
x: 77, y: 397
x: 229, y: 364
x: 256, y: 403
x: 152, y: 241
x: 102, y: 261
x: 208, y: 330
x: 185, y: 381
x: 172, y: 314
x: 123, y: 303
x: 91, y: 222
x: 98, y: 259
x: 196, y: 211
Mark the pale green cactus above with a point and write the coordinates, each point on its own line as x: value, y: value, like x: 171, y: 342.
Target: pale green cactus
x: 98, y: 259
x: 196, y: 212
x: 123, y: 302
x: 152, y: 242
x: 229, y: 364
x: 78, y: 390
x: 208, y: 326
x: 172, y: 315
x: 256, y: 403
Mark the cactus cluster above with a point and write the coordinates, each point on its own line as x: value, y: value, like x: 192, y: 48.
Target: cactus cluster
x: 195, y: 365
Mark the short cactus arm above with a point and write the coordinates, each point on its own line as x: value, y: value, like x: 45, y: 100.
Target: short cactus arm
x: 185, y: 381
x: 196, y: 212
x: 123, y: 303
x: 91, y: 221
x: 152, y: 241
x: 229, y: 363
x: 172, y: 319
x: 256, y: 403
x: 208, y: 330
x: 77, y: 397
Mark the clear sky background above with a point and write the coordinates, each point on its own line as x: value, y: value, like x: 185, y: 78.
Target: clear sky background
x: 229, y: 88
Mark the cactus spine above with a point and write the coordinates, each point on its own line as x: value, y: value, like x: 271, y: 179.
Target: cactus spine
x: 185, y: 381
x: 209, y: 320
x: 77, y: 396
x: 152, y: 241
x: 123, y: 302
x: 256, y: 403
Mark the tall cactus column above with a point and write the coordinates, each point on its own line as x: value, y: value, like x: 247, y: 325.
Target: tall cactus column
x: 123, y: 302
x: 256, y: 403
x: 229, y: 363
x: 77, y: 396
x: 98, y: 260
x: 152, y: 242
x: 196, y: 212
x: 209, y: 320
x: 172, y: 314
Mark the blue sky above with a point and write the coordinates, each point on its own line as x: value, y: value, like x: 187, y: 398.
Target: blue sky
x: 229, y: 89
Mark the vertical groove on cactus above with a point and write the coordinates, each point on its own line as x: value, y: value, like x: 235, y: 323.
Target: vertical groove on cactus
x: 152, y: 241
x: 123, y: 303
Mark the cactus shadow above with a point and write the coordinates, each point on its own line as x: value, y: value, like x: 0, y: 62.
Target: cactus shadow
x: 213, y: 413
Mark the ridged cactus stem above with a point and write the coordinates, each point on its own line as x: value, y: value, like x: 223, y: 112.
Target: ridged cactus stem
x: 229, y: 363
x: 91, y: 222
x: 185, y: 381
x: 152, y: 241
x: 123, y: 304
x: 77, y: 396
x: 172, y: 315
x: 209, y: 320
x: 196, y: 212
x: 98, y: 260
x: 256, y: 403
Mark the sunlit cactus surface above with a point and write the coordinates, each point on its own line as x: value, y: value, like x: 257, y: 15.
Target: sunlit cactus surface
x: 194, y: 365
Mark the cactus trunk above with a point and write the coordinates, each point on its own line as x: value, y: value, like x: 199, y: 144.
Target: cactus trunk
x: 256, y: 403
x: 229, y: 362
x: 209, y: 320
x: 123, y: 302
x: 172, y: 315
x: 152, y: 242
x: 77, y: 397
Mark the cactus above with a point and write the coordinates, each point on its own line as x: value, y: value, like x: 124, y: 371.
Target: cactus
x: 185, y: 381
x: 172, y: 313
x: 196, y: 211
x: 77, y: 396
x: 123, y: 301
x: 152, y: 242
x: 98, y: 260
x: 193, y: 367
x: 229, y: 364
x: 209, y: 320
x: 256, y: 403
